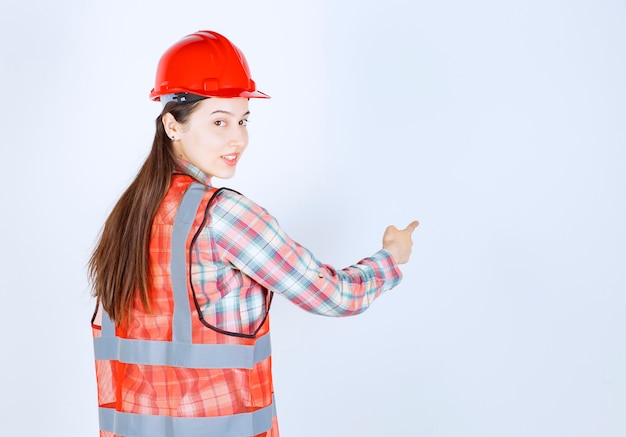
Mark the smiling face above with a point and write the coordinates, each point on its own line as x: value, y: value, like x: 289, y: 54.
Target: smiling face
x: 214, y: 137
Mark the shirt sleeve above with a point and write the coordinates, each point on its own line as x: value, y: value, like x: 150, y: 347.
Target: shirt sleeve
x: 249, y: 238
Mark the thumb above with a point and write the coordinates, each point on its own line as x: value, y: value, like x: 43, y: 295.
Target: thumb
x: 391, y: 228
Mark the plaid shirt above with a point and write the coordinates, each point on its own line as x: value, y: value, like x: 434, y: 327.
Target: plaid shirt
x: 242, y: 253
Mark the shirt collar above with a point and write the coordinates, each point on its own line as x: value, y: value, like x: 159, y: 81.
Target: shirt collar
x: 188, y: 168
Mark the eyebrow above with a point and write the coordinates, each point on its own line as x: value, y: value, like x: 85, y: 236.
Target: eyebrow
x: 221, y: 111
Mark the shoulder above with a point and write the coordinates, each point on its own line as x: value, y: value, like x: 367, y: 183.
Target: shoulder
x: 231, y: 206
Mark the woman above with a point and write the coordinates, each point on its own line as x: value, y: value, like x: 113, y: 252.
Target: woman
x: 184, y: 273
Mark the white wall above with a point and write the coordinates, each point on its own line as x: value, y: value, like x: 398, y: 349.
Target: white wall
x: 499, y: 125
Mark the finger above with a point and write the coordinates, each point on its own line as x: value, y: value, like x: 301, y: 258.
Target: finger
x: 412, y: 226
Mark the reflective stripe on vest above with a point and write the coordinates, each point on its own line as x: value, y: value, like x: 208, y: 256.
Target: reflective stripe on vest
x: 181, y: 352
x: 197, y: 356
x: 237, y: 425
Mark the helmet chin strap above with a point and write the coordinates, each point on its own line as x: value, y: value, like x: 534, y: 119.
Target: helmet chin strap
x: 181, y: 98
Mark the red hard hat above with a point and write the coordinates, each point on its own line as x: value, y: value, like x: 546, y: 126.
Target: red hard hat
x: 207, y: 64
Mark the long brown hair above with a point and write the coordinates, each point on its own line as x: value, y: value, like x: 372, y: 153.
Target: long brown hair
x: 118, y: 267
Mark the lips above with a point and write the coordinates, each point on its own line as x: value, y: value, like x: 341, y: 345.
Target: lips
x: 230, y: 159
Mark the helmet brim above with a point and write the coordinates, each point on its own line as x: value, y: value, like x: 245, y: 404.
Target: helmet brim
x: 224, y: 93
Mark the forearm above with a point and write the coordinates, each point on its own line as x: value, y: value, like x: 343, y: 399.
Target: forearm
x: 350, y: 291
x: 322, y: 289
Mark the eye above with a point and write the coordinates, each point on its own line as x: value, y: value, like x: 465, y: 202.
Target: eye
x: 220, y: 123
x: 243, y: 122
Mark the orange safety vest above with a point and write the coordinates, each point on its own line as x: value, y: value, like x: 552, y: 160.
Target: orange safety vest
x: 166, y: 374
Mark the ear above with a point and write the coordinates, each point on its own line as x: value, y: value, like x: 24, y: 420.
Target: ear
x: 172, y: 127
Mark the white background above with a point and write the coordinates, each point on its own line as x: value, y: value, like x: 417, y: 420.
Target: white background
x: 500, y: 125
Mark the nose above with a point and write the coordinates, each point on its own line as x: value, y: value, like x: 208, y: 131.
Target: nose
x: 239, y: 136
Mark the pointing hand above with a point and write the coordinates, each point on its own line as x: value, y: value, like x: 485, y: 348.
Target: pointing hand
x: 398, y: 242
